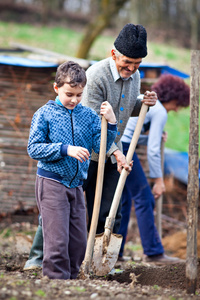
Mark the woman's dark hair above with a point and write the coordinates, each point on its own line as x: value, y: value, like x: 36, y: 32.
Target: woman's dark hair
x: 71, y: 73
x: 169, y: 87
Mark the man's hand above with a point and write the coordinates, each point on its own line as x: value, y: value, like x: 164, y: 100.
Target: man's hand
x: 121, y: 162
x: 80, y: 153
x: 150, y: 98
x: 158, y: 188
x: 107, y: 111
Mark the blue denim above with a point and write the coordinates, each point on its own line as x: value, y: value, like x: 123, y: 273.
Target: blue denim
x: 137, y: 188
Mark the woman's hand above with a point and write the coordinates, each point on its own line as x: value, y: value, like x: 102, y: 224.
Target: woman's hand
x: 164, y: 136
x: 158, y: 188
x: 150, y: 98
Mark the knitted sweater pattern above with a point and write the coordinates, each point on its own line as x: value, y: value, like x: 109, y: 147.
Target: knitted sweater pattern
x: 52, y: 127
x: 121, y: 94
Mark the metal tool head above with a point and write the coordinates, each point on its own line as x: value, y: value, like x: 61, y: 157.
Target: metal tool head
x: 105, y: 256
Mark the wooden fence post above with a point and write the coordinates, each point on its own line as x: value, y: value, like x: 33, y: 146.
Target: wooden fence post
x: 193, y: 176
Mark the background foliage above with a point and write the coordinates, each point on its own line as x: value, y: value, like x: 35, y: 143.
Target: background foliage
x: 61, y: 25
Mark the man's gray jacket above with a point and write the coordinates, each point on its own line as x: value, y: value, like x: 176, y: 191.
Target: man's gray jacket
x: 105, y: 84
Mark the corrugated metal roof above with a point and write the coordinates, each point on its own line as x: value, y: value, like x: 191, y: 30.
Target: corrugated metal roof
x: 164, y: 69
x: 25, y: 62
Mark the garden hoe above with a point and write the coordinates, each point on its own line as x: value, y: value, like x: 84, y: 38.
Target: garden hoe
x: 107, y: 244
x: 97, y: 200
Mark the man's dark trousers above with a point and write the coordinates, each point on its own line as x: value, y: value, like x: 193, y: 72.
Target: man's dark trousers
x: 111, y: 176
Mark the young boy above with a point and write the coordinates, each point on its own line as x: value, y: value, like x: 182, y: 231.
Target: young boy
x: 62, y: 136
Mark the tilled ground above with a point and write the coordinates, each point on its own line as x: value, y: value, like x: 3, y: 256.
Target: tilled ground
x: 138, y: 280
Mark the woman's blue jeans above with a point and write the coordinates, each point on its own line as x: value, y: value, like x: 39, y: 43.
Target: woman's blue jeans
x: 138, y: 189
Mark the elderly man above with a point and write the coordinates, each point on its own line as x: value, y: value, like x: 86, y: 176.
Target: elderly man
x: 117, y: 80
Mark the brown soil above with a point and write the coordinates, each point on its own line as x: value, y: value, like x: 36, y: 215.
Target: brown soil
x: 138, y: 280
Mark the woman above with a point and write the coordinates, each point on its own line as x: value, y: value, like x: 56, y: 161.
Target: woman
x: 173, y: 93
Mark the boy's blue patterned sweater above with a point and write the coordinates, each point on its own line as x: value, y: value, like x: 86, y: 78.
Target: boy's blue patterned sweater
x: 53, y: 128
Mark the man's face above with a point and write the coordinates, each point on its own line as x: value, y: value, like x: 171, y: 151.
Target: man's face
x: 69, y: 96
x: 126, y: 66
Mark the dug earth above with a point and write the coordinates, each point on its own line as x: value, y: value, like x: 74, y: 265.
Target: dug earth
x: 134, y: 280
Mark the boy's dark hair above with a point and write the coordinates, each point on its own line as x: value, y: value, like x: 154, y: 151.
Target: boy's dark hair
x: 71, y: 73
x: 169, y: 87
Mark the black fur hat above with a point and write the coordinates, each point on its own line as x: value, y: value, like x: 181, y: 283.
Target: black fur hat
x: 132, y: 41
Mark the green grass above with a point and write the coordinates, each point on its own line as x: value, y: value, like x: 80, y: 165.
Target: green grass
x: 58, y: 39
x: 177, y: 126
x: 65, y: 41
x: 40, y: 293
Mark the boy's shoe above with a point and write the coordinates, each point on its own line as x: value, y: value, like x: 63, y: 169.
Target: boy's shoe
x: 162, y: 259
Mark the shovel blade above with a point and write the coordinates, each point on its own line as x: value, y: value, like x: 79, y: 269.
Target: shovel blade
x: 104, y: 258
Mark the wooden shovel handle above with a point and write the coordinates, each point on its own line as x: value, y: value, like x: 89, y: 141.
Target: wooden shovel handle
x: 129, y: 156
x: 159, y: 201
x: 98, y: 193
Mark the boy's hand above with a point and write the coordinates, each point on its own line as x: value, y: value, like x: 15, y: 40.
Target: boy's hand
x: 107, y: 111
x: 80, y: 153
x: 150, y: 98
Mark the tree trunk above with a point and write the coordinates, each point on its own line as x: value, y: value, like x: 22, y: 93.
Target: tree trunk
x: 108, y: 9
x: 193, y: 176
x: 60, y: 4
x: 194, y: 25
x: 46, y: 8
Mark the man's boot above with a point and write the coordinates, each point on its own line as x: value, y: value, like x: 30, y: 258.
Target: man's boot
x: 36, y: 254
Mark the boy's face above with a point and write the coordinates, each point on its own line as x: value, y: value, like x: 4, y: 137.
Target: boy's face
x: 69, y: 96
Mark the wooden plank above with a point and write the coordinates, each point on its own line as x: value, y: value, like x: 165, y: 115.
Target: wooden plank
x: 60, y: 57
x: 22, y: 92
